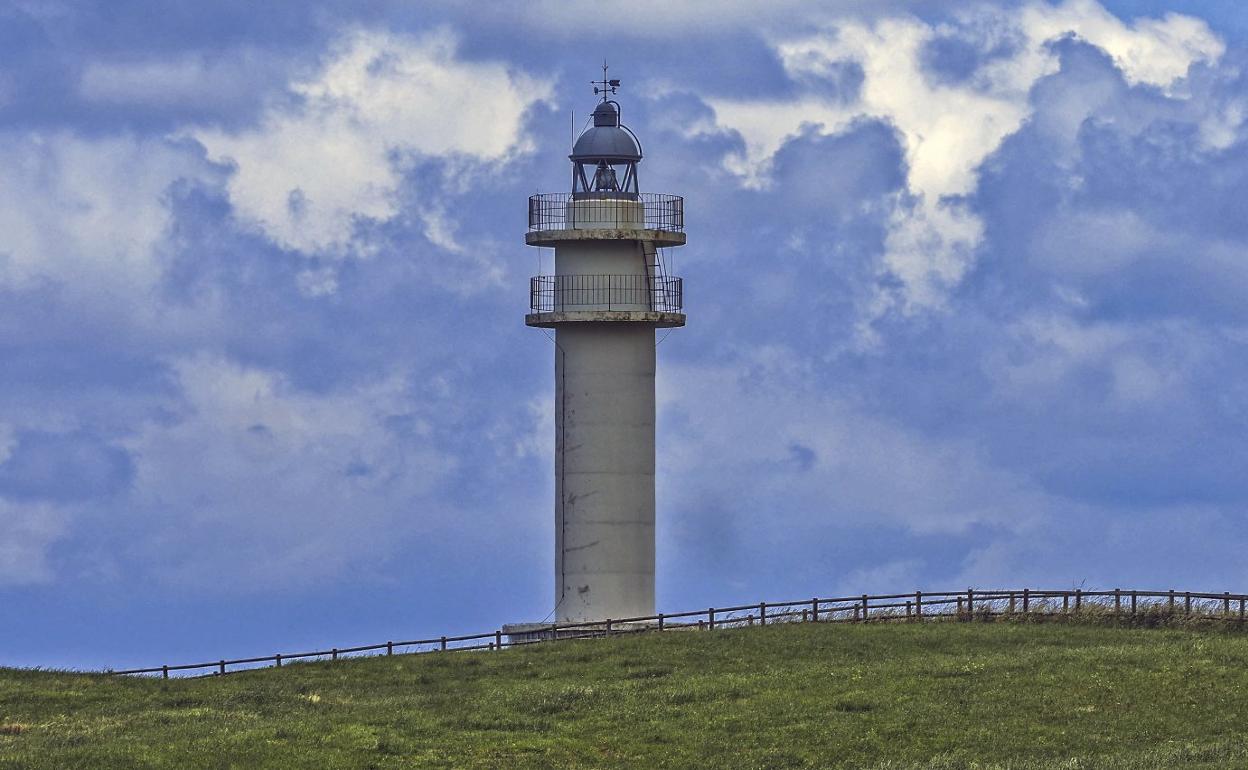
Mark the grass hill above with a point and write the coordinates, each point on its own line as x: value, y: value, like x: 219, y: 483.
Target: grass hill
x: 884, y: 696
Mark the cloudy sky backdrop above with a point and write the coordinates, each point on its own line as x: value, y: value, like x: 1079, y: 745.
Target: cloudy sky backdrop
x: 966, y: 289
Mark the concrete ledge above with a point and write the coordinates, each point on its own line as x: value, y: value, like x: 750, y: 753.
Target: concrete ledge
x: 661, y: 238
x: 653, y: 318
x: 525, y: 633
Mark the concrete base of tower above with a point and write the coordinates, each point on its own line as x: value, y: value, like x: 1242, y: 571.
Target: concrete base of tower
x: 526, y: 633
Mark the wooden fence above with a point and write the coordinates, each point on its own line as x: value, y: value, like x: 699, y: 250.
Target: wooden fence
x: 971, y: 604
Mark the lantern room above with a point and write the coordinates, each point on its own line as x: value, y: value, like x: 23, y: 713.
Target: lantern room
x: 605, y: 157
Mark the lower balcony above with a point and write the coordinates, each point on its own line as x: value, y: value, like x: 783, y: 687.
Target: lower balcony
x: 559, y: 299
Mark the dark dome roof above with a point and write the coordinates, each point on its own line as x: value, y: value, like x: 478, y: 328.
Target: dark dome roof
x: 609, y: 143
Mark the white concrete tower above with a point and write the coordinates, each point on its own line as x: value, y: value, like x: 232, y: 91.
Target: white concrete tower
x: 609, y: 293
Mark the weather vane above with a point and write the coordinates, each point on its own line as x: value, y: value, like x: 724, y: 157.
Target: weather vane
x: 605, y: 86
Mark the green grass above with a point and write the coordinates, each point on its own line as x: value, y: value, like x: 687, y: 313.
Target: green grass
x: 886, y: 696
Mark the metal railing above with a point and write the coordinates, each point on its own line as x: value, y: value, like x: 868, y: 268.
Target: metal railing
x: 557, y: 293
x: 651, y: 211
x: 1146, y: 608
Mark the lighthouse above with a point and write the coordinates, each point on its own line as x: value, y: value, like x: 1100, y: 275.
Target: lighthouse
x: 609, y: 292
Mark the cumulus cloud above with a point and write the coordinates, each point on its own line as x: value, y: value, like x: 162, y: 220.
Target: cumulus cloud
x: 170, y: 376
x: 200, y: 391
x: 276, y: 485
x: 770, y: 437
x: 765, y: 456
x: 87, y: 212
x: 1074, y: 415
x: 949, y: 126
x: 335, y: 157
x: 30, y: 531
x: 1151, y: 51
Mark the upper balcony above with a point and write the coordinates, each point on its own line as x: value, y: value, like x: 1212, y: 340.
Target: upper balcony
x: 556, y: 217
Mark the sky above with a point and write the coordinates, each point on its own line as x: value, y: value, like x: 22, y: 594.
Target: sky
x: 965, y: 286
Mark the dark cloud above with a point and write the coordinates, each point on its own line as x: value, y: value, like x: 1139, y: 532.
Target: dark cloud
x: 955, y: 54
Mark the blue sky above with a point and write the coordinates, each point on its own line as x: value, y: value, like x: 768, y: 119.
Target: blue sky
x: 965, y: 286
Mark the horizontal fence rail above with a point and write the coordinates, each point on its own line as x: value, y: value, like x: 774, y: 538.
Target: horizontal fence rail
x: 557, y: 293
x: 565, y: 211
x: 969, y: 605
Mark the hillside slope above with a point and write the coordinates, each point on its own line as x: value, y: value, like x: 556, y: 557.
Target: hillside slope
x: 937, y: 695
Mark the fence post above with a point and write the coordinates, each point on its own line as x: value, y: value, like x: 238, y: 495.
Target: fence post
x: 1012, y: 607
x: 1187, y: 603
x: 660, y: 621
x: 866, y: 609
x: 1026, y: 601
x: 1226, y: 605
x: 277, y: 659
x: 1134, y: 595
x: 164, y: 672
x: 710, y: 618
x: 1078, y: 599
x: 608, y: 626
x: 498, y: 640
x: 814, y: 610
x: 1171, y: 601
x: 221, y: 667
x: 960, y: 616
x: 918, y: 604
x: 333, y: 654
x: 1241, y: 609
x: 1065, y: 603
x: 389, y: 648
x: 762, y: 613
x: 1117, y: 602
x: 970, y: 604
x: 444, y: 644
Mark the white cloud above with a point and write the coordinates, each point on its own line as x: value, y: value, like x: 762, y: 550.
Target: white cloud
x: 311, y: 170
x: 1147, y: 368
x: 1153, y: 51
x: 948, y: 129
x: 762, y: 434
x: 260, y: 483
x: 240, y: 476
x: 539, y: 440
x: 1220, y: 128
x: 1121, y: 237
x: 27, y: 532
x: 927, y: 247
x: 87, y: 212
